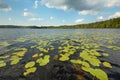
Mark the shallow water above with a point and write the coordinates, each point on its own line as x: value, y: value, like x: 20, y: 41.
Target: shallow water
x: 18, y: 47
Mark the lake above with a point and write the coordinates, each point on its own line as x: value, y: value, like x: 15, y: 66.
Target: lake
x: 59, y: 54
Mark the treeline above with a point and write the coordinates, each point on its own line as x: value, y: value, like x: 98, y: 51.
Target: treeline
x: 112, y: 23
x: 15, y: 26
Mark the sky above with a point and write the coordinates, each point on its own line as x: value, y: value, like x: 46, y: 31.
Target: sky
x: 57, y: 12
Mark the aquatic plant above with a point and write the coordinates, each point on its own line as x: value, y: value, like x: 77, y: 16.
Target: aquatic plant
x: 43, y: 61
x: 21, y: 39
x: 5, y: 43
x: 35, y: 55
x: 86, y: 49
x: 15, y: 60
x: 30, y: 70
x: 2, y: 63
x: 30, y: 64
x: 107, y: 64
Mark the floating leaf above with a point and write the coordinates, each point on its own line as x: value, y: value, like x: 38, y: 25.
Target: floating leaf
x: 64, y: 57
x: 105, y: 54
x: 35, y: 55
x: 92, y: 59
x: 21, y: 54
x: 30, y: 70
x: 32, y: 46
x: 76, y: 61
x: 107, y: 64
x: 3, y: 57
x: 14, y: 60
x: 100, y: 74
x: 41, y: 54
x: 2, y: 64
x: 5, y: 43
x: 20, y: 40
x: 85, y: 64
x: 30, y: 64
x: 114, y: 47
x: 44, y: 61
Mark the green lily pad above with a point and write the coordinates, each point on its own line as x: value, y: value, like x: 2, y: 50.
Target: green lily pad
x: 30, y: 64
x: 107, y: 64
x: 43, y: 61
x: 5, y: 43
x: 2, y: 64
x: 30, y: 70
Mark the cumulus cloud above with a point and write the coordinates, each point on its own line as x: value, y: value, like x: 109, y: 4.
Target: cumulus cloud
x: 79, y: 20
x: 86, y: 12
x: 83, y: 6
x: 4, y: 6
x: 27, y: 13
x: 36, y: 4
x: 100, y: 18
x: 35, y: 19
x: 115, y: 15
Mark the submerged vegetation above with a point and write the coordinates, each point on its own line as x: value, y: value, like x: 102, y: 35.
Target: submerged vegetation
x: 78, y: 48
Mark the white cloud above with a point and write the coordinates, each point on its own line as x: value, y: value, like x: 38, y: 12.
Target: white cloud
x: 9, y: 19
x: 115, y: 15
x: 51, y: 18
x: 100, y: 18
x: 112, y: 3
x: 36, y: 4
x: 27, y: 13
x: 4, y: 6
x: 86, y: 12
x: 35, y: 19
x: 82, y: 6
x: 79, y: 20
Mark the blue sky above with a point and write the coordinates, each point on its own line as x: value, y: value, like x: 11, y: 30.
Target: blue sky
x: 57, y: 12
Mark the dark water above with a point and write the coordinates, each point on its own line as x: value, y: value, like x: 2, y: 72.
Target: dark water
x: 104, y: 38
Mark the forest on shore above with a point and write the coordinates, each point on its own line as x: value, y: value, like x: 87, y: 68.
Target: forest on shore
x: 111, y: 23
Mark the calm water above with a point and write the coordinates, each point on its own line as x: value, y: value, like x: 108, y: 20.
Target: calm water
x: 103, y: 40
x: 11, y: 34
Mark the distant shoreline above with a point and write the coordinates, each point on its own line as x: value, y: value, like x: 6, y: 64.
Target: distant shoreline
x: 112, y: 23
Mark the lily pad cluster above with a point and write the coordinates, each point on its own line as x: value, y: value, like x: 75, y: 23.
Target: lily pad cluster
x: 87, y: 48
x: 29, y: 67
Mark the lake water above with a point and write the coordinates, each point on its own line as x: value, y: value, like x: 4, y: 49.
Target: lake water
x: 25, y: 52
